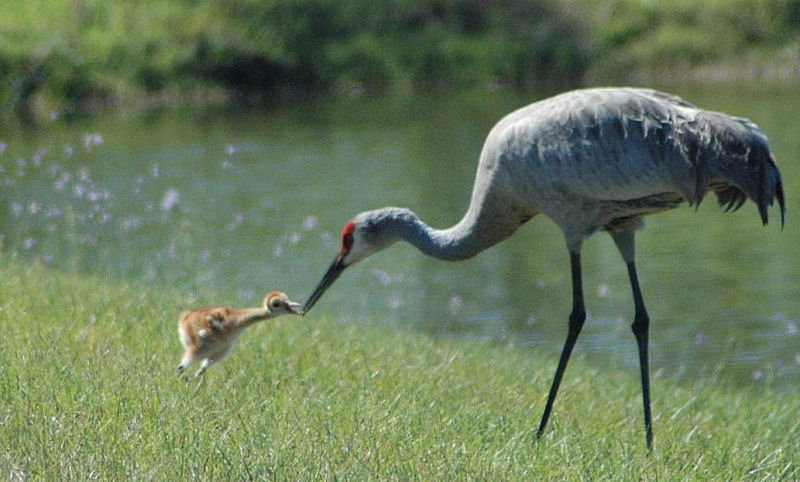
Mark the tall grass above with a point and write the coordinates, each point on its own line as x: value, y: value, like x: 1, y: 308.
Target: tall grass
x: 88, y: 389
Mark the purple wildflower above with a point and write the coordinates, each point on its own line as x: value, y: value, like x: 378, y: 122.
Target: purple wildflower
x: 310, y: 223
x: 238, y: 220
x: 384, y: 277
x: 61, y: 183
x: 90, y: 140
x: 131, y: 223
x: 455, y: 304
x: 170, y: 199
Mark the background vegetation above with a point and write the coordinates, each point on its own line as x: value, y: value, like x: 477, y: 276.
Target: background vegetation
x: 67, y: 55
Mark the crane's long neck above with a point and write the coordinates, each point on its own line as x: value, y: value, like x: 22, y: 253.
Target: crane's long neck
x: 479, y: 229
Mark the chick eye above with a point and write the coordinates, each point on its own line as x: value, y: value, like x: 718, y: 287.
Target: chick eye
x: 275, y: 304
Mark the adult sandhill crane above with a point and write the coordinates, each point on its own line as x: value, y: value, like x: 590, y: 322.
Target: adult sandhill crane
x: 209, y: 333
x: 596, y: 159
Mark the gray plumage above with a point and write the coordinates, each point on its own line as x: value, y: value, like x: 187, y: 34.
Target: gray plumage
x: 603, y: 158
x: 594, y: 159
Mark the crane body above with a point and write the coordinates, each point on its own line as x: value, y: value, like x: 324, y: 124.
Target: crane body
x: 596, y: 158
x: 591, y: 160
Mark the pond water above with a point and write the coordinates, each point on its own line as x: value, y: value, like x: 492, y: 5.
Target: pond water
x: 226, y: 206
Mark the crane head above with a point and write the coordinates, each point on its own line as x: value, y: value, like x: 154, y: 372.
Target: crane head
x: 366, y: 234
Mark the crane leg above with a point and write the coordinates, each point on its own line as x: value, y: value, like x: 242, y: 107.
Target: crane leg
x: 640, y: 327
x: 641, y: 322
x: 576, y: 320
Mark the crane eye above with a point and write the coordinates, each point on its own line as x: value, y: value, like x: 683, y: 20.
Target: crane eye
x: 347, y: 237
x: 347, y: 242
x: 275, y: 304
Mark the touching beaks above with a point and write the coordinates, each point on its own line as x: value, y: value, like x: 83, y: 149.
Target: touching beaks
x: 295, y: 308
x: 331, y: 275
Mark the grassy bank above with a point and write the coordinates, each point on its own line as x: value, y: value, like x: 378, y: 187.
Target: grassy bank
x: 59, y: 56
x: 88, y: 389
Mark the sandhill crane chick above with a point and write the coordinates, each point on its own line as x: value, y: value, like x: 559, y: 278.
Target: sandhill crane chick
x: 208, y: 333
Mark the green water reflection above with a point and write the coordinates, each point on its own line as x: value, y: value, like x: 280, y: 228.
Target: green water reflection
x: 231, y: 204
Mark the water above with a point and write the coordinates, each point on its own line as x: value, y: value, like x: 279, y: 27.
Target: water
x: 226, y: 206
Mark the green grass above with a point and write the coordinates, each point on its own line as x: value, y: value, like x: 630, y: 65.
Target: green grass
x: 88, y: 389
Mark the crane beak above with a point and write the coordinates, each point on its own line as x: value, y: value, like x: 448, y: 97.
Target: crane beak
x: 332, y: 274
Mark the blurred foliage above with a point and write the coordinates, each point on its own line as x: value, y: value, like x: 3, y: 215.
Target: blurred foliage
x: 648, y: 39
x: 65, y: 55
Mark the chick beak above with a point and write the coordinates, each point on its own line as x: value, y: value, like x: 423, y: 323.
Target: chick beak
x: 294, y: 308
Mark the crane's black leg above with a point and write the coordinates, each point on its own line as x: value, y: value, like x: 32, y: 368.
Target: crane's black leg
x: 576, y: 320
x: 640, y: 327
x: 641, y: 321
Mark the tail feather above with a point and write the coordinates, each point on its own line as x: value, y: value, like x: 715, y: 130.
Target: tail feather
x: 781, y: 201
x: 768, y: 185
x: 733, y: 159
x: 730, y: 198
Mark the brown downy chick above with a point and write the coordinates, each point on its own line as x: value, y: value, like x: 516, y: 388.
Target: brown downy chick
x: 209, y: 333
